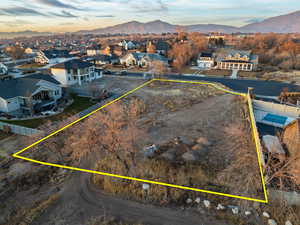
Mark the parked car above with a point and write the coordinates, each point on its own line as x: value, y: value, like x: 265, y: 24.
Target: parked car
x: 48, y: 113
x: 107, y: 72
x: 122, y: 72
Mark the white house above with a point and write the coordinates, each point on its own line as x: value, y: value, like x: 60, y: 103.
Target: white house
x: 21, y: 95
x: 132, y: 59
x: 205, y: 60
x: 127, y: 45
x: 74, y: 72
x: 52, y: 56
x: 141, y: 59
x: 237, y: 60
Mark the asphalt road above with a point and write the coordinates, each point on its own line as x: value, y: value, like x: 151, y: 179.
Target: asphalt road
x: 261, y: 87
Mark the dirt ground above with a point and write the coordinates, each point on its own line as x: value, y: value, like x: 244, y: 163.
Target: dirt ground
x: 173, y: 110
x: 293, y: 76
x: 193, y: 112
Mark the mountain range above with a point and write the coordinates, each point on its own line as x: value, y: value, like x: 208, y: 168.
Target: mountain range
x: 289, y: 23
x: 25, y: 33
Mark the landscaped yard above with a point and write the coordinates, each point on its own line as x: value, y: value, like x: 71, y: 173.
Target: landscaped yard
x: 79, y: 104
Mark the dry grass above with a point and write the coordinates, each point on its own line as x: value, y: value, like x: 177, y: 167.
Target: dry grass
x: 281, y: 212
x: 25, y: 216
x: 108, y: 220
x: 158, y: 170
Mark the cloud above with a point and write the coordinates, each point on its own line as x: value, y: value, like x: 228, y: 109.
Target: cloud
x: 64, y: 14
x: 20, y: 11
x: 15, y: 23
x: 66, y: 24
x: 148, y: 6
x: 105, y: 16
x: 56, y: 3
x: 254, y: 20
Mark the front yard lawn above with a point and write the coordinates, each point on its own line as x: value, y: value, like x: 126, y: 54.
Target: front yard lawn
x: 79, y: 104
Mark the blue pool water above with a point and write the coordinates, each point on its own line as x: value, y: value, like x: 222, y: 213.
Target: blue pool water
x: 275, y: 118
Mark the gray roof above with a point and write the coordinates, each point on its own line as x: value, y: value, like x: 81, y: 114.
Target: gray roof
x: 56, y: 53
x: 155, y: 57
x: 233, y: 52
x: 73, y: 64
x: 45, y: 77
x: 20, y: 87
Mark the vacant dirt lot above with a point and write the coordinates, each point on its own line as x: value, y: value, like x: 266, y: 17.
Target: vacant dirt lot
x: 207, y: 126
x: 201, y: 134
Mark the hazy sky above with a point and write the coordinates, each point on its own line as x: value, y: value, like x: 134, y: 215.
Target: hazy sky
x: 72, y: 15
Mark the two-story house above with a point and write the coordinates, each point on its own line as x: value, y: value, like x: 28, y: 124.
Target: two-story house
x: 237, y: 60
x: 142, y: 59
x: 127, y: 45
x: 74, y: 72
x: 34, y: 93
x: 205, y: 60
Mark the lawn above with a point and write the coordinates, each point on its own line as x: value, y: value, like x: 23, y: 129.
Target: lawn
x: 79, y: 104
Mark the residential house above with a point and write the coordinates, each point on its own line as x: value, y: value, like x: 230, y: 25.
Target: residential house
x: 132, y: 59
x: 142, y: 59
x: 205, y: 60
x: 237, y: 60
x: 112, y: 50
x: 28, y: 51
x: 105, y: 59
x: 100, y: 60
x: 151, y: 48
x: 52, y: 56
x: 148, y: 59
x: 75, y: 71
x: 127, y: 45
x: 162, y: 47
x: 93, y: 50
x: 36, y: 93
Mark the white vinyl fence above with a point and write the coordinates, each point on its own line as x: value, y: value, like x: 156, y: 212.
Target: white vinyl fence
x: 18, y: 129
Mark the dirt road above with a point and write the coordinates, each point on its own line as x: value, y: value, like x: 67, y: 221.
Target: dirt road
x: 80, y: 201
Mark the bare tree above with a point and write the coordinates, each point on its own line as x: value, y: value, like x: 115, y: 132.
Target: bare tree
x: 15, y: 52
x: 158, y: 68
x: 111, y: 132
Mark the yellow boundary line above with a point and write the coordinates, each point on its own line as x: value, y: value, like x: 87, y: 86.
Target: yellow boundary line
x: 17, y: 155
